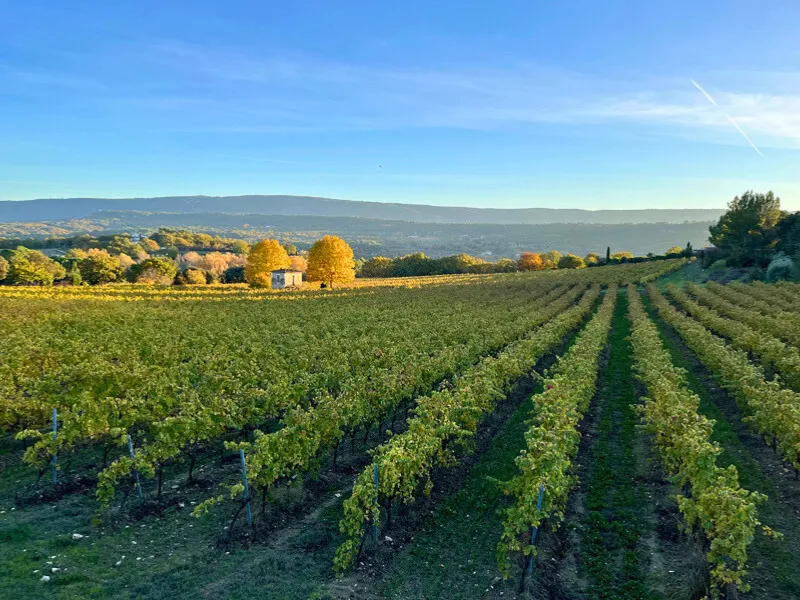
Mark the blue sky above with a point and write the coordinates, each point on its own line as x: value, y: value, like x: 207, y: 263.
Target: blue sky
x: 502, y: 104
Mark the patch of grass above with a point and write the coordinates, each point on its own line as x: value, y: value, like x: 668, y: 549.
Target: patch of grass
x: 774, y: 565
x: 17, y: 534
x: 614, y: 524
x: 691, y: 272
x: 454, y: 556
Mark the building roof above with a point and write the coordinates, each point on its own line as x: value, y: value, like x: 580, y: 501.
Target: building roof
x: 287, y: 271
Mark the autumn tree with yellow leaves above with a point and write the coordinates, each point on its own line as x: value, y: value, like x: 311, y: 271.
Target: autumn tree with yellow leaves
x: 530, y: 261
x: 330, y: 261
x: 265, y: 257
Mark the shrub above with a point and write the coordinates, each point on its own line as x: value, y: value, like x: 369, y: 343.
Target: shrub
x: 234, y: 275
x: 781, y: 267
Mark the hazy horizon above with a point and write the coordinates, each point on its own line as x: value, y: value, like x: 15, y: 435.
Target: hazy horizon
x: 420, y: 203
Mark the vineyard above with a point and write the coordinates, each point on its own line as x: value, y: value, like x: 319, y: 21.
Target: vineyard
x: 579, y: 433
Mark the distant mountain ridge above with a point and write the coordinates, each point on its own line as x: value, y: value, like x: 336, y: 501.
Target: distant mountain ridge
x: 77, y: 208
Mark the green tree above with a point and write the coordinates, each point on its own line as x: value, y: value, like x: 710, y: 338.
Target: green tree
x: 266, y: 256
x: 291, y: 249
x: 505, y: 265
x: 160, y: 271
x: 591, y: 258
x: 377, y: 266
x: 234, y: 275
x: 788, y: 231
x: 240, y: 247
x: 98, y: 266
x: 608, y: 254
x: 31, y: 267
x: 746, y: 233
x: 192, y: 276
x: 458, y: 263
x: 330, y: 261
x: 122, y: 244
x: 413, y: 265
x: 551, y: 259
x: 570, y: 261
x: 84, y: 242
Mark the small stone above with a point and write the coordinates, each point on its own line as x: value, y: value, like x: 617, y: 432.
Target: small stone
x: 45, y: 578
x: 77, y: 536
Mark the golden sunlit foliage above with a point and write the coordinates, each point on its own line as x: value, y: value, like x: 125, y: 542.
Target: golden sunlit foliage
x: 330, y: 261
x: 265, y: 257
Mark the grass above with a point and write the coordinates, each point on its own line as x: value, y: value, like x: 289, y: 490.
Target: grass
x: 173, y: 555
x: 167, y: 555
x: 613, y: 524
x: 774, y: 565
x: 454, y: 556
x: 452, y: 552
x: 692, y: 272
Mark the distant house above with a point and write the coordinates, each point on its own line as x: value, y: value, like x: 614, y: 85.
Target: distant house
x: 286, y: 278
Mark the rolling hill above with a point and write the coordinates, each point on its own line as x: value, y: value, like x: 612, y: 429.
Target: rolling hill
x: 79, y: 208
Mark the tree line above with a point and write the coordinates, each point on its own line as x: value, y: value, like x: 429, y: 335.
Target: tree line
x: 420, y: 265
x: 329, y: 262
x: 755, y: 232
x: 171, y: 240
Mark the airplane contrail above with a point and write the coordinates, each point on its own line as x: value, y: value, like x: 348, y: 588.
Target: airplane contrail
x: 734, y: 123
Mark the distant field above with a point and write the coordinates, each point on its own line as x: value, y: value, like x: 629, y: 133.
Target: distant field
x: 377, y: 423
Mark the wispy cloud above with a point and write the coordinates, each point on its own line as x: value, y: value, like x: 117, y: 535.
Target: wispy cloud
x: 207, y: 89
x: 309, y: 94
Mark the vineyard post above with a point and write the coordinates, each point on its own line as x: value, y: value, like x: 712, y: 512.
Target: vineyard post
x: 534, y: 530
x: 246, y: 490
x: 375, y: 522
x: 135, y: 471
x: 55, y: 451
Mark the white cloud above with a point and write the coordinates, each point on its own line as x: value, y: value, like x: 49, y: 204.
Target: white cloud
x: 226, y: 91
